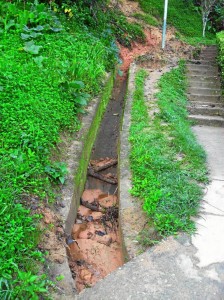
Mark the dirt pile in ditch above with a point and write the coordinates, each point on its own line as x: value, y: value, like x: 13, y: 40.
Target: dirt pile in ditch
x: 95, y: 247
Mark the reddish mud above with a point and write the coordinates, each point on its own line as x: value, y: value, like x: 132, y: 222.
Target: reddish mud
x: 96, y: 249
x: 128, y: 55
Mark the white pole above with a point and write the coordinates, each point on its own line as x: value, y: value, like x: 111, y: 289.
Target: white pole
x: 164, y: 24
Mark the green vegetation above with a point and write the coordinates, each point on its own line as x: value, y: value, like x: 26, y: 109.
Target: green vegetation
x: 147, y: 18
x: 52, y: 62
x: 166, y: 160
x: 98, y: 17
x: 185, y: 17
x: 220, y: 40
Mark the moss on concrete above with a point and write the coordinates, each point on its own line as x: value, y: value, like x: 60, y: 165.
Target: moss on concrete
x: 89, y: 133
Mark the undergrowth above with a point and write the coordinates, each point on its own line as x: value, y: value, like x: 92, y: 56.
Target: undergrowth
x: 220, y: 41
x: 166, y: 161
x: 147, y: 18
x: 184, y: 16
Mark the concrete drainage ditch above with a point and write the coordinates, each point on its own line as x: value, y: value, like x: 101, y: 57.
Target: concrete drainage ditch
x: 95, y: 244
x: 93, y: 227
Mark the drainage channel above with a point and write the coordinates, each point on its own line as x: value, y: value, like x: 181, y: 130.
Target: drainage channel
x: 96, y: 245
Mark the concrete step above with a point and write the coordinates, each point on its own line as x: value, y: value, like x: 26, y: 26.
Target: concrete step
x: 199, y: 77
x: 212, y: 51
x: 215, y: 121
x: 206, y: 110
x: 208, y: 55
x: 206, y: 104
x: 200, y: 62
x: 193, y: 67
x: 209, y: 50
x: 204, y: 84
x: 203, y: 98
x: 205, y: 91
x: 202, y: 72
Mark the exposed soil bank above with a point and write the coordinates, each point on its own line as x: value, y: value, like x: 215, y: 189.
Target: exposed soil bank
x: 96, y: 244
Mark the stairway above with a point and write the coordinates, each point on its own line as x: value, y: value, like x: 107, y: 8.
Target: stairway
x: 206, y: 105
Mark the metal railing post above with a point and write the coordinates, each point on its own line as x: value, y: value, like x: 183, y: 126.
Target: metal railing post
x: 164, y: 24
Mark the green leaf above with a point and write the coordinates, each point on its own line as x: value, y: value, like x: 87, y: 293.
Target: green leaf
x: 10, y: 24
x: 56, y: 29
x: 30, y: 47
x: 62, y: 179
x: 77, y: 85
x: 25, y: 36
x: 38, y: 28
x: 81, y: 100
x: 38, y: 60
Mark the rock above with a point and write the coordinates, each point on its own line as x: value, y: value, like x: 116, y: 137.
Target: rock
x: 96, y: 215
x: 108, y: 200
x: 83, y: 211
x: 105, y: 240
x: 85, y: 275
x: 48, y: 217
x: 77, y: 228
x: 91, y: 195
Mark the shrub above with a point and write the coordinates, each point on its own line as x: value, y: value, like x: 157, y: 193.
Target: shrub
x: 220, y: 41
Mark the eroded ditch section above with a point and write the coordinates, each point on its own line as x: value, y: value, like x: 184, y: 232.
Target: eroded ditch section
x: 96, y: 245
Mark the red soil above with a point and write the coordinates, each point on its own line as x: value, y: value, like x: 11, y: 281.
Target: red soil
x: 129, y: 55
x: 97, y: 250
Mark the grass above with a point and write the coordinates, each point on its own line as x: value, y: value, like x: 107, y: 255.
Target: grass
x: 186, y: 18
x: 147, y: 18
x: 166, y: 161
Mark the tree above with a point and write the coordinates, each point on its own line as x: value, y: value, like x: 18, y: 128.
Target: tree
x: 206, y: 7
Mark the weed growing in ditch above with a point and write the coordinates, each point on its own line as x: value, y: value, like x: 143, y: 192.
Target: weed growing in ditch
x: 166, y: 161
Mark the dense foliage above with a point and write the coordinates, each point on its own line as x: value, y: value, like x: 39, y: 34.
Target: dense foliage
x: 220, y: 40
x: 166, y: 160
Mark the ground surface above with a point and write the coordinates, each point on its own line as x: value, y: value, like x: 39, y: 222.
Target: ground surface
x: 152, y: 57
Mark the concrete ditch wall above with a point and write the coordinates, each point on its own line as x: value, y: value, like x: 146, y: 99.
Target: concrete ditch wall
x: 78, y: 155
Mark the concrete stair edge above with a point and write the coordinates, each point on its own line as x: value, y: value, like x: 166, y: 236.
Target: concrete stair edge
x: 215, y: 121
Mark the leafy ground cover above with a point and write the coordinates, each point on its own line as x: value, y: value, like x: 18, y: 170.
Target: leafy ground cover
x: 183, y: 15
x: 220, y: 41
x: 166, y: 161
x: 51, y: 64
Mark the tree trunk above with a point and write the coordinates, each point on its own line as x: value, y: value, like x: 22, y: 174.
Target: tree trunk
x: 205, y: 20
